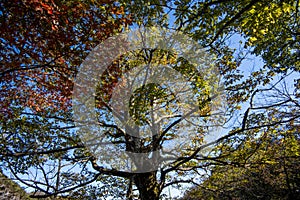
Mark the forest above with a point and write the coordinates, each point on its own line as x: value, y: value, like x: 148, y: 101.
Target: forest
x: 150, y: 99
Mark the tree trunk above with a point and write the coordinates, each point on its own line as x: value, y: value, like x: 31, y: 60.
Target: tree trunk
x: 147, y: 185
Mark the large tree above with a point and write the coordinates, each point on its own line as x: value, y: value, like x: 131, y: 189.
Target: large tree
x: 45, y: 42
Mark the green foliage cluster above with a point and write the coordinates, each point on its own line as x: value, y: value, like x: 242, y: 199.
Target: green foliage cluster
x: 11, y: 190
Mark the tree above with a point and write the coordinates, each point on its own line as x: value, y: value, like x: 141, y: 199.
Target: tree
x: 261, y: 100
x: 262, y: 167
x: 156, y: 113
x: 10, y: 189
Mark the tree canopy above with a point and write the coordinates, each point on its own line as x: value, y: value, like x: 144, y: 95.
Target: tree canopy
x: 246, y: 62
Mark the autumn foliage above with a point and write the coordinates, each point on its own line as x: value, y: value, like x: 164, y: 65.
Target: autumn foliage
x: 255, y: 47
x: 42, y: 45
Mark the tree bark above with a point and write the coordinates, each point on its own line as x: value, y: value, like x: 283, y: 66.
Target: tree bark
x: 147, y: 185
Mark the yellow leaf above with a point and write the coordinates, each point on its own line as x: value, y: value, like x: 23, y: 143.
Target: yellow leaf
x: 252, y: 11
x: 252, y: 39
x: 263, y: 31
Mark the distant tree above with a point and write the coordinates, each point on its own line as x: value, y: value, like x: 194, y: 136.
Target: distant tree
x: 11, y: 190
x: 263, y: 167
